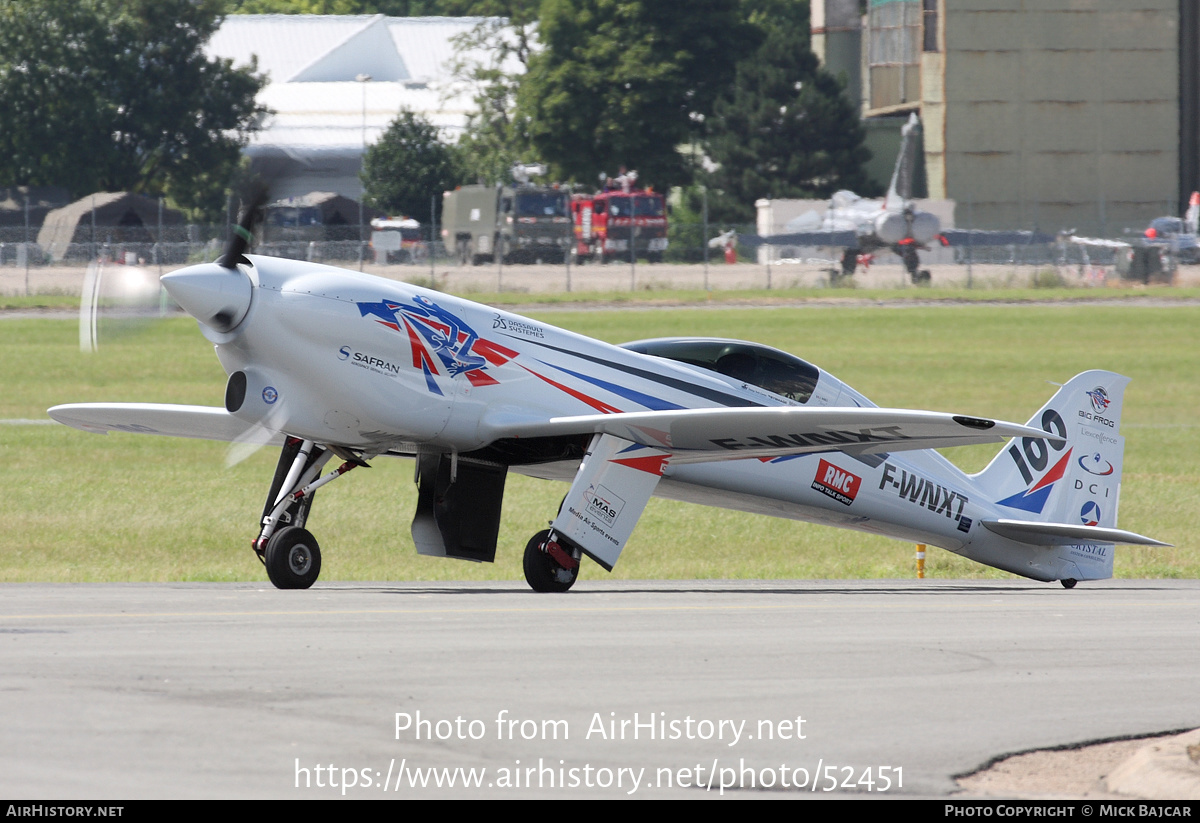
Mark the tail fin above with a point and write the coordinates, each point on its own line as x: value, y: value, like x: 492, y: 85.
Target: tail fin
x: 901, y: 188
x: 1075, y: 482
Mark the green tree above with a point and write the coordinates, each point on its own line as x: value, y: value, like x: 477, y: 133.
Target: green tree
x: 625, y: 82
x: 118, y: 95
x: 783, y: 128
x: 408, y: 167
x: 490, y: 62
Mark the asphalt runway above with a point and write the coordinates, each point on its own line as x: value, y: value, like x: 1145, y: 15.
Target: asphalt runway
x: 645, y: 689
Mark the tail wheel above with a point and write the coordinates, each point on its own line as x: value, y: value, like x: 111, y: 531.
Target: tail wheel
x: 542, y: 571
x: 293, y: 558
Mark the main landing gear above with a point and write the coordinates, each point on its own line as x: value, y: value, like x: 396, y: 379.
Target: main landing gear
x: 550, y: 565
x: 1068, y: 582
x: 912, y: 265
x: 288, y: 550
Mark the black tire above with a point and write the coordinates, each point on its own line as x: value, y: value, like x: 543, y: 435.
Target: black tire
x: 293, y: 558
x: 1068, y: 582
x: 541, y: 570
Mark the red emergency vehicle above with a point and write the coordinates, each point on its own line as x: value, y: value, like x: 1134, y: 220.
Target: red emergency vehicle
x: 607, y: 222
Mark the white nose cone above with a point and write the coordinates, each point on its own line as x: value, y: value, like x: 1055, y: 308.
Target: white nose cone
x: 216, y: 296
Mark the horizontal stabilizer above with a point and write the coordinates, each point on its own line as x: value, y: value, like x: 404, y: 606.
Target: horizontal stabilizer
x: 705, y: 435
x: 201, y: 422
x: 1065, y: 534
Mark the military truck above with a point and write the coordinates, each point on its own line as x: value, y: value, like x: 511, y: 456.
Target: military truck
x: 522, y: 224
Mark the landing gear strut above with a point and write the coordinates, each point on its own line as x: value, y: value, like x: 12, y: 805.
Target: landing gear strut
x: 288, y: 550
x: 550, y: 566
x: 912, y: 263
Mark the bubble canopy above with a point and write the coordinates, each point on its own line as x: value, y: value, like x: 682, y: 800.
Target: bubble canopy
x: 771, y: 369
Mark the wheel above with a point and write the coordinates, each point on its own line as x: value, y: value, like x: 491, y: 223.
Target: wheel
x: 293, y: 558
x: 542, y: 572
x: 1068, y: 582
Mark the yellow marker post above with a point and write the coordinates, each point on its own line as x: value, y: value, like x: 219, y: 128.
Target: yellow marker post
x: 920, y: 561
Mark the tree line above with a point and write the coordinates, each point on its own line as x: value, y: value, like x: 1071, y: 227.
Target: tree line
x: 720, y: 94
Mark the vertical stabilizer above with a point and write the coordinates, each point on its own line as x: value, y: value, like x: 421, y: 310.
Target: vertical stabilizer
x: 901, y: 189
x: 1073, y: 482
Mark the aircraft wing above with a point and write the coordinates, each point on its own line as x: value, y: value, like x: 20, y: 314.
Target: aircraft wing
x: 846, y: 238
x: 201, y: 422
x: 704, y: 435
x: 1102, y: 242
x: 693, y: 435
x: 979, y: 237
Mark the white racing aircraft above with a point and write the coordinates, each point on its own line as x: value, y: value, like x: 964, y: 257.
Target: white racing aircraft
x: 327, y: 362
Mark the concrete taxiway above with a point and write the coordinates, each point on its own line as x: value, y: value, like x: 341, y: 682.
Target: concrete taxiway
x: 618, y: 688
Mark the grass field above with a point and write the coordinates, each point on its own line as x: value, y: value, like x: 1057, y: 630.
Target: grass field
x: 78, y: 507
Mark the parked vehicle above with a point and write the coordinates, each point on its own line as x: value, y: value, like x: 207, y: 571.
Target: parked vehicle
x: 607, y: 222
x: 398, y: 240
x: 521, y: 224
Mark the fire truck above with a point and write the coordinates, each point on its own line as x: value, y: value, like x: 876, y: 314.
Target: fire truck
x: 606, y: 223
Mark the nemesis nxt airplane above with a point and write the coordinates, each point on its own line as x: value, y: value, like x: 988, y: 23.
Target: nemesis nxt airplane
x: 327, y: 362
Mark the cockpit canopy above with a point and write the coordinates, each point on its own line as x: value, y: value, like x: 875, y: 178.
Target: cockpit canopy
x: 751, y: 363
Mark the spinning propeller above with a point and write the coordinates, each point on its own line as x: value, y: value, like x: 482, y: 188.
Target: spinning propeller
x: 119, y: 300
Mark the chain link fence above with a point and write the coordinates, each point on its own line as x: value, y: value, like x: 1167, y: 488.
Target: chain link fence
x: 697, y: 256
